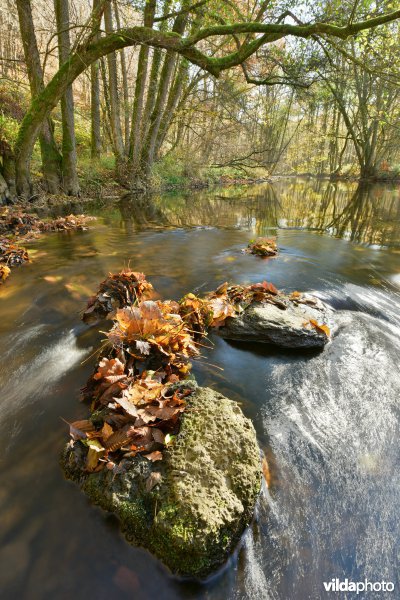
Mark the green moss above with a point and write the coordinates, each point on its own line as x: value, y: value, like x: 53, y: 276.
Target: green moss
x: 196, y: 516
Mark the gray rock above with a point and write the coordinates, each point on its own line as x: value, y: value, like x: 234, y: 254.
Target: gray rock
x: 191, y: 508
x: 287, y: 327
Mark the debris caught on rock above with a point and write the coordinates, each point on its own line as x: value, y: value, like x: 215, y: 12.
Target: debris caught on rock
x: 11, y: 255
x: 117, y: 291
x: 262, y: 246
x: 17, y: 226
x: 138, y: 390
x: 4, y: 272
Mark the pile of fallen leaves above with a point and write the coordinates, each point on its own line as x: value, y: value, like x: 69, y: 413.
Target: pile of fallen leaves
x: 17, y: 226
x: 4, y: 272
x: 137, y: 391
x: 262, y: 246
x: 130, y: 415
x: 71, y: 222
x: 229, y: 301
x: 19, y: 223
x: 11, y: 254
x: 117, y: 291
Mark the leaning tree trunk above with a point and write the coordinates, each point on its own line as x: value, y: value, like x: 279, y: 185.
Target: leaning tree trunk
x: 172, y: 103
x: 69, y: 172
x: 166, y: 77
x: 51, y: 157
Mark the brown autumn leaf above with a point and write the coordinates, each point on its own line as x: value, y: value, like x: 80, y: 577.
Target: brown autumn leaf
x: 263, y: 246
x: 266, y: 471
x: 164, y: 413
x: 265, y: 286
x: 321, y: 328
x: 222, y: 289
x: 221, y: 309
x: 79, y: 429
x: 145, y: 416
x: 4, y: 272
x: 106, y: 431
x: 112, y: 391
x: 141, y: 436
x: 111, y: 370
x: 158, y: 435
x: 295, y: 295
x: 128, y: 406
x: 154, y: 456
x: 118, y: 439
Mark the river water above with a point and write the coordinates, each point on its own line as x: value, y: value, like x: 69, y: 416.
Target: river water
x: 328, y: 422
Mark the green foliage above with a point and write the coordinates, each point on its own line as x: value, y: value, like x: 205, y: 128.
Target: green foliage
x: 8, y: 128
x: 96, y: 170
x: 12, y: 107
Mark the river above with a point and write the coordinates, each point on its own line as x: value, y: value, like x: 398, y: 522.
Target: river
x: 328, y: 422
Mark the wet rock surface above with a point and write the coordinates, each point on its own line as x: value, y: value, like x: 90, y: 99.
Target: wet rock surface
x: 191, y: 508
x: 288, y: 325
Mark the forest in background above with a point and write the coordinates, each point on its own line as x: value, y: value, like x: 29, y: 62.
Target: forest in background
x: 166, y: 93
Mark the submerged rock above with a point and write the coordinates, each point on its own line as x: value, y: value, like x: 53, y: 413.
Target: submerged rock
x: 287, y: 323
x: 191, y: 508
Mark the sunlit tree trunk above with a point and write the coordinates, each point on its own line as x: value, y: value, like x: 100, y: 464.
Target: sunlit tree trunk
x: 113, y: 93
x: 70, y: 181
x: 136, y: 140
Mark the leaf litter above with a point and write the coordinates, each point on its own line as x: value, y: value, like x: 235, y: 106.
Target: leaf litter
x: 17, y: 227
x: 262, y: 246
x: 139, y: 388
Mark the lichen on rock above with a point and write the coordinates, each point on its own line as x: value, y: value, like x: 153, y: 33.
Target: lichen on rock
x: 191, y: 508
x: 299, y: 322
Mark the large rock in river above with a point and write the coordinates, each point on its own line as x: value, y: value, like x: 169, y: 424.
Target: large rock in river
x: 288, y: 323
x: 191, y: 508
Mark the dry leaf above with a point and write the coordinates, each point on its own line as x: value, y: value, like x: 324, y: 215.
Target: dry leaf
x: 154, y: 456
x: 321, y: 328
x: 106, y: 431
x: 79, y: 429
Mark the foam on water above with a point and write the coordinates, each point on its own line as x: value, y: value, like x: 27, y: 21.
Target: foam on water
x: 35, y: 377
x: 332, y: 422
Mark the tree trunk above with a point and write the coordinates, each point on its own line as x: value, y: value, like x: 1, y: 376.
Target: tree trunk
x: 4, y: 191
x: 125, y: 87
x: 136, y: 139
x: 113, y: 92
x: 51, y: 157
x: 95, y: 129
x: 173, y: 99
x: 149, y: 147
x: 69, y: 172
x: 154, y: 75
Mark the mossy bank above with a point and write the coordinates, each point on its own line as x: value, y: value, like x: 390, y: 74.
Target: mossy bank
x: 191, y: 508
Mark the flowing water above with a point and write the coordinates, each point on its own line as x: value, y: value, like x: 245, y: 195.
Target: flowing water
x: 328, y: 422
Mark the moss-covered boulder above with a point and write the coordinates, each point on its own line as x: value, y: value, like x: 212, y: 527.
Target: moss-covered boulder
x: 191, y: 508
